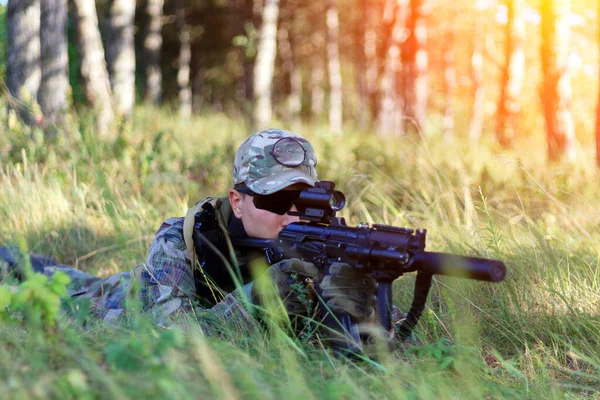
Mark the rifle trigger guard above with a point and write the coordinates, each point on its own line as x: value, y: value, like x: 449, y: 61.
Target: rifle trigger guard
x: 272, y: 255
x: 383, y: 275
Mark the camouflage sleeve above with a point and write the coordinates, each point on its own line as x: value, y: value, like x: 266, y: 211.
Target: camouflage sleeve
x: 167, y: 282
x: 167, y: 288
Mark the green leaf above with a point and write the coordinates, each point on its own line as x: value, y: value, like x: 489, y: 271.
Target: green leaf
x: 5, y: 298
x: 446, y: 362
x: 59, y: 277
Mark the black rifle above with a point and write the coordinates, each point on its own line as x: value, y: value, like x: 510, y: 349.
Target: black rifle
x: 385, y: 252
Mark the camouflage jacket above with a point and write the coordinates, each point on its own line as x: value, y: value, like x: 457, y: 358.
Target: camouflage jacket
x: 165, y: 283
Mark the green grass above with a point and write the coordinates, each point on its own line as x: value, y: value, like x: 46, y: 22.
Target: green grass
x: 97, y: 205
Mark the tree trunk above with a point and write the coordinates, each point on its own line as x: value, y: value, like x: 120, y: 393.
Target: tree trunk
x: 513, y: 72
x: 388, y: 97
x: 292, y: 73
x: 334, y: 69
x: 317, y: 75
x: 556, y: 85
x: 381, y: 40
x: 478, y: 115
x: 362, y: 62
x: 252, y: 13
x: 23, y: 73
x: 598, y: 106
x: 414, y: 70
x: 152, y: 50
x: 54, y: 87
x: 120, y: 54
x: 94, y: 76
x: 185, y: 58
x: 390, y: 106
x: 265, y: 63
x: 449, y: 85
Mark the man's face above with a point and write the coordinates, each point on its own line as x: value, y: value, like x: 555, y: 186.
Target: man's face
x: 260, y: 223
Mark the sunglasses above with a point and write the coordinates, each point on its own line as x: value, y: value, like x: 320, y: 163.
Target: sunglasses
x: 278, y: 202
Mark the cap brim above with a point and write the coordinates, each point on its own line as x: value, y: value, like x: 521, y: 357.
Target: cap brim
x: 277, y: 182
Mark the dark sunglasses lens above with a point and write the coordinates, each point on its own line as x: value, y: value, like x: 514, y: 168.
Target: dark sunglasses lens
x: 289, y: 152
x: 278, y: 203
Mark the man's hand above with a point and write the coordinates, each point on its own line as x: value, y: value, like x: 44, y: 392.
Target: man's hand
x: 348, y: 290
x: 290, y: 277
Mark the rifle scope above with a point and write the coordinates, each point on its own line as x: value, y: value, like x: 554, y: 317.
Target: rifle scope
x: 319, y: 203
x: 320, y: 198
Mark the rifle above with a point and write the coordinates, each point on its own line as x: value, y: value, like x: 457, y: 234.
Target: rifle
x: 385, y: 252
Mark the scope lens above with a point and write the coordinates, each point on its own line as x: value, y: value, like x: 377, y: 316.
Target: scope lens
x: 337, y: 201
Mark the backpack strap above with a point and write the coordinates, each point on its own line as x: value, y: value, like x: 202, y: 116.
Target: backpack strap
x: 223, y: 214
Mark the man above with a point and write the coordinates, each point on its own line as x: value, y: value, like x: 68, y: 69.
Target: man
x: 209, y: 278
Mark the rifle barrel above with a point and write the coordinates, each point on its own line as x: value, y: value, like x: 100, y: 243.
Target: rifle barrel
x: 461, y: 266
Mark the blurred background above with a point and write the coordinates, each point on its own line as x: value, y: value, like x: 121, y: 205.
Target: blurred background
x: 506, y: 71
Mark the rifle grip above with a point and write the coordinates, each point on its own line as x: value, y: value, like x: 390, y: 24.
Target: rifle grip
x: 383, y: 310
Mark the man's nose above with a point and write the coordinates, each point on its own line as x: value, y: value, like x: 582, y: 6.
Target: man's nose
x: 288, y: 219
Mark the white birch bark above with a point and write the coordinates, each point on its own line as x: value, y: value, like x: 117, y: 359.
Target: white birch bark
x: 390, y: 110
x: 23, y: 72
x: 54, y: 87
x: 286, y: 52
x: 478, y: 113
x: 598, y: 105
x: 334, y: 69
x: 450, y: 86
x: 152, y: 51
x: 120, y: 54
x: 94, y: 74
x: 513, y: 74
x: 317, y: 74
x: 265, y: 63
x: 414, y: 69
x: 556, y: 81
x: 185, y: 58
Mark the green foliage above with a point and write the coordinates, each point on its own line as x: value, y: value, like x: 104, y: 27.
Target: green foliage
x: 97, y: 205
x: 37, y: 300
x: 3, y: 39
x: 442, y: 353
x: 248, y: 41
x: 137, y: 351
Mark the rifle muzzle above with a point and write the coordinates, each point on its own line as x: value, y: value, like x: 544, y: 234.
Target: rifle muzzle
x: 480, y: 269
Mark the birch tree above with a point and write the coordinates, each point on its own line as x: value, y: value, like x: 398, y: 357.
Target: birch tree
x: 184, y: 62
x: 54, y: 88
x: 265, y: 63
x: 513, y: 73
x: 414, y: 69
x: 152, y: 50
x: 291, y: 70
x: 449, y: 85
x: 317, y: 74
x: 94, y: 75
x: 478, y: 110
x: 556, y: 85
x: 598, y: 105
x: 334, y: 69
x: 23, y: 72
x: 120, y: 54
x: 389, y: 106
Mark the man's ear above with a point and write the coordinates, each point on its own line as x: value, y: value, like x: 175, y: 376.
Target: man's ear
x: 235, y: 199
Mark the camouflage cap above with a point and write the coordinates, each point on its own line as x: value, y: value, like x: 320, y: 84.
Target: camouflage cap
x: 257, y: 168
